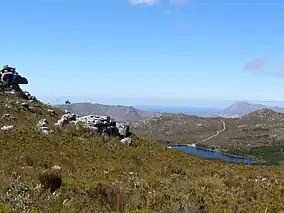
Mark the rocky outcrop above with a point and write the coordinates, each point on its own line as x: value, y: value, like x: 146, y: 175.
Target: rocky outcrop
x: 126, y: 141
x: 42, y: 126
x: 10, y: 82
x: 66, y: 119
x: 8, y: 116
x: 95, y: 124
x: 7, y: 128
x: 104, y: 125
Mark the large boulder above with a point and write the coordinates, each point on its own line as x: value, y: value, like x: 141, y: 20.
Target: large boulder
x: 10, y: 81
x: 95, y: 120
x: 17, y: 79
x: 96, y: 124
x: 126, y: 141
x: 9, y: 77
x: 123, y: 130
x: 42, y: 126
x: 66, y: 119
x: 7, y: 128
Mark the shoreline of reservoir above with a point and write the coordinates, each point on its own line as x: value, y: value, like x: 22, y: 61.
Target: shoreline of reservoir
x: 221, y: 154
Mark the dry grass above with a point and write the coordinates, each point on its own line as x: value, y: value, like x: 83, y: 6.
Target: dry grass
x: 101, y: 175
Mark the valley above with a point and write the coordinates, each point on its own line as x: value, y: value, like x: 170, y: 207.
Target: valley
x: 254, y: 135
x: 253, y: 131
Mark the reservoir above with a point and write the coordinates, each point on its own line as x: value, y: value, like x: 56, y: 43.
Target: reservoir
x: 211, y: 154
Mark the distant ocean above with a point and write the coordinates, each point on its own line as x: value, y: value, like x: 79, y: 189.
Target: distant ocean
x: 198, y: 111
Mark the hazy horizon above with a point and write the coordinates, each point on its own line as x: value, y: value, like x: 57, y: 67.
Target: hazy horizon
x: 144, y: 102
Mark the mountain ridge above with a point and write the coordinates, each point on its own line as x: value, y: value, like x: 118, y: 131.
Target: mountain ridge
x: 118, y: 112
x: 130, y: 113
x: 242, y: 108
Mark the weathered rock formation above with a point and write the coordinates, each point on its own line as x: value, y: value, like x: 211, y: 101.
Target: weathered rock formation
x: 66, y: 119
x: 10, y: 81
x: 42, y: 126
x: 7, y: 128
x: 102, y: 125
x: 96, y: 124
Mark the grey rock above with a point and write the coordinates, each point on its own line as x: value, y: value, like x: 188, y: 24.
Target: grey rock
x: 51, y: 112
x: 7, y: 115
x: 123, y: 130
x: 7, y: 128
x: 66, y: 119
x: 10, y: 81
x: 126, y: 141
x: 42, y: 126
x: 17, y: 79
x: 10, y: 92
x: 42, y: 123
x: 96, y: 124
x: 55, y: 167
x: 10, y: 77
x: 7, y: 78
x: 99, y: 124
x: 92, y: 129
x: 29, y: 96
x: 95, y: 120
x: 24, y: 105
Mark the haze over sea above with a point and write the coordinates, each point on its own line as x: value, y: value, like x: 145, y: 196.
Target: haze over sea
x: 198, y: 111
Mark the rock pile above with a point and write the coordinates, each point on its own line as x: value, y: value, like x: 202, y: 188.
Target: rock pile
x: 102, y: 125
x: 10, y: 81
x: 8, y: 116
x: 7, y: 128
x: 66, y: 119
x: 42, y: 126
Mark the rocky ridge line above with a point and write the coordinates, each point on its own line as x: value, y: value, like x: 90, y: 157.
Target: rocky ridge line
x: 10, y: 82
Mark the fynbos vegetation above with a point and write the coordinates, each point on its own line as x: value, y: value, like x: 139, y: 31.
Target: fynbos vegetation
x: 71, y: 169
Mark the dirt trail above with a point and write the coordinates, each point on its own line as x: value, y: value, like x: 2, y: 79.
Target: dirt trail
x: 217, y: 133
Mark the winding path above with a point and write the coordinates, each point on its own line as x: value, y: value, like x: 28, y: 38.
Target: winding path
x: 224, y: 127
x: 217, y: 133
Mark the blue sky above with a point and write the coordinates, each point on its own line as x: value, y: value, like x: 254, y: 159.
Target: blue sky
x: 170, y: 52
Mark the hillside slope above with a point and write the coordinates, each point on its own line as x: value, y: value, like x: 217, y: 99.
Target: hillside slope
x: 69, y: 169
x: 102, y: 175
x: 258, y: 134
x: 260, y: 127
x: 118, y: 112
x: 177, y: 128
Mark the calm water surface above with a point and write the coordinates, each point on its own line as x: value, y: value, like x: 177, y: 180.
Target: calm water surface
x: 211, y: 154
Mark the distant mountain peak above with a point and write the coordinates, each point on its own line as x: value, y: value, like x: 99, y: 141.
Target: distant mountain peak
x: 241, y: 108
